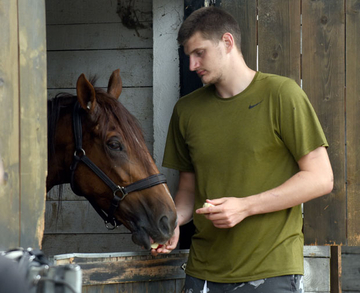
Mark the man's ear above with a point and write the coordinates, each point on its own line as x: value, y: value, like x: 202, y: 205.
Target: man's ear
x: 228, y: 40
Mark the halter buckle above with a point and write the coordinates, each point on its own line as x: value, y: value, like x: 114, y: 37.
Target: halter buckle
x: 123, y: 192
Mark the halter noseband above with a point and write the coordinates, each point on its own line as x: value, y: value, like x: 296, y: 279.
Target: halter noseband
x: 79, y: 155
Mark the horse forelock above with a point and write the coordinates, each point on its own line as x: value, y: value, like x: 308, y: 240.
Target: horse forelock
x: 128, y: 126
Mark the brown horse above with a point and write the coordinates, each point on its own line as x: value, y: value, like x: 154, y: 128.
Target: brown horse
x: 97, y: 146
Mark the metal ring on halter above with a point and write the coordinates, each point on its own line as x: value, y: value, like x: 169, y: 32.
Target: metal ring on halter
x: 80, y: 150
x: 123, y: 192
x: 112, y: 227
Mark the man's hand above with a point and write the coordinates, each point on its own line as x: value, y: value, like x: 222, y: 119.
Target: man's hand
x: 168, y: 246
x: 226, y: 212
x: 184, y: 201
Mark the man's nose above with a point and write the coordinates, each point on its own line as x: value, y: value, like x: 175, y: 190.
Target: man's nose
x: 193, y: 63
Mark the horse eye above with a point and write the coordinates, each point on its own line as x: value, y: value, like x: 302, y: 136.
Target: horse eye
x: 114, y: 145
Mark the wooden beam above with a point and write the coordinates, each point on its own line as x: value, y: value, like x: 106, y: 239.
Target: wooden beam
x: 9, y: 125
x: 323, y: 76
x: 353, y: 120
x: 335, y: 269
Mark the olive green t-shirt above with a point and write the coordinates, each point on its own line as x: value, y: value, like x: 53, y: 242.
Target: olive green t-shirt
x: 237, y: 147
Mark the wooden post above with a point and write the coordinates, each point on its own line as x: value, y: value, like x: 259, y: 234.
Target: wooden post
x: 353, y: 120
x: 23, y: 128
x: 323, y: 78
x: 335, y: 269
x: 9, y: 125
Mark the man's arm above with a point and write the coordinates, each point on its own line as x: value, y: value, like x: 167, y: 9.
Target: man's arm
x: 314, y: 179
x: 185, y: 197
x: 184, y: 202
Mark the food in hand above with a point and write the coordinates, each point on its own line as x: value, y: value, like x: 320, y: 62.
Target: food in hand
x: 206, y: 205
x: 156, y: 245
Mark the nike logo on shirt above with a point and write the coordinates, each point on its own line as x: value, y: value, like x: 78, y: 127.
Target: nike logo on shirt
x: 252, y: 106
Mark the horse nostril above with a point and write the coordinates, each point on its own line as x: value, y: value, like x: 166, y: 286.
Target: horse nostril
x: 164, y: 226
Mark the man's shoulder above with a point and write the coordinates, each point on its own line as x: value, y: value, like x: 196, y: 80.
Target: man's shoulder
x: 274, y: 78
x: 195, y: 97
x: 277, y: 84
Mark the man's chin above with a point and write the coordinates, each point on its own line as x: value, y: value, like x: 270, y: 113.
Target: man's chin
x: 205, y: 81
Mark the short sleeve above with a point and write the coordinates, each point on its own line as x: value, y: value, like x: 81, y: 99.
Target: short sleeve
x: 176, y: 154
x: 300, y: 128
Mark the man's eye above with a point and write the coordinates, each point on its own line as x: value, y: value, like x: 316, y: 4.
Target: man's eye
x: 199, y: 53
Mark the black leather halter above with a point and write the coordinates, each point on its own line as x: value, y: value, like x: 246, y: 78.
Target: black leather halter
x: 79, y: 155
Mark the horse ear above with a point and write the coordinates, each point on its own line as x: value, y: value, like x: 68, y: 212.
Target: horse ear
x: 85, y: 93
x: 115, y: 84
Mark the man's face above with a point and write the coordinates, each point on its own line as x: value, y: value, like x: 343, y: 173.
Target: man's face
x: 206, y: 58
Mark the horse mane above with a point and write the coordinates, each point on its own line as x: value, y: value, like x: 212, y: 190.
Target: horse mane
x: 53, y: 112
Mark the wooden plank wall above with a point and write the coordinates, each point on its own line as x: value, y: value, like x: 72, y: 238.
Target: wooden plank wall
x: 324, y: 81
x: 22, y: 122
x: 350, y: 279
x: 313, y: 42
x: 90, y: 37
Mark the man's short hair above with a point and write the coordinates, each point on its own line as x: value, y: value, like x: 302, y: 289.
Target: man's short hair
x: 212, y: 23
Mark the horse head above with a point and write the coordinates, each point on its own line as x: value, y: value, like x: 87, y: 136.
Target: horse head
x: 104, y: 156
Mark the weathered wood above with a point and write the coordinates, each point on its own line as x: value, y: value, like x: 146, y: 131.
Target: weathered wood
x: 71, y: 217
x: 22, y: 116
x: 317, y: 269
x: 323, y: 80
x: 350, y: 263
x: 111, y: 288
x: 167, y: 286
x: 66, y: 66
x: 317, y: 251
x: 78, y: 11
x: 335, y: 269
x: 145, y: 272
x: 9, y: 125
x: 279, y: 37
x: 127, y: 267
x: 54, y: 244
x: 317, y: 274
x: 350, y: 250
x: 33, y: 130
x: 97, y: 36
x: 353, y: 119
x: 350, y: 279
x: 245, y: 12
x: 155, y: 286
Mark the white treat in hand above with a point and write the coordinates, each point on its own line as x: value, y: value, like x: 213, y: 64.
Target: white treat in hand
x: 156, y: 245
x: 206, y: 205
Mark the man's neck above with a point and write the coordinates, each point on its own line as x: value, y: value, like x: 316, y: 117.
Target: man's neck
x: 238, y: 78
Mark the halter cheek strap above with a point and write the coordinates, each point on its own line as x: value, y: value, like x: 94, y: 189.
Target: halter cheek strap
x: 123, y: 191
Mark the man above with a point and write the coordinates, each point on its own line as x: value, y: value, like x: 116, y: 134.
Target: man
x: 250, y: 145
